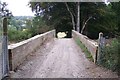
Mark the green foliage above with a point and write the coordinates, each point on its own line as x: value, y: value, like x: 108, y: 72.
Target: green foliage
x: 39, y: 26
x: 84, y: 49
x: 105, y: 22
x: 115, y: 6
x: 110, y: 55
x: 16, y: 36
x: 54, y: 14
x: 103, y: 17
x: 16, y: 31
x: 21, y: 27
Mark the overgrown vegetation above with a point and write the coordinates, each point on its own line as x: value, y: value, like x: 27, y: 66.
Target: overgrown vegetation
x: 16, y: 36
x: 24, y: 27
x: 110, y: 56
x: 95, y: 17
x: 84, y: 49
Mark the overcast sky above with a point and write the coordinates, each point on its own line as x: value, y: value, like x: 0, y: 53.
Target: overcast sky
x: 19, y: 7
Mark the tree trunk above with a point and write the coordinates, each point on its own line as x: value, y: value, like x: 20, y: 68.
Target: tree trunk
x: 73, y: 22
x: 85, y: 24
x: 78, y: 16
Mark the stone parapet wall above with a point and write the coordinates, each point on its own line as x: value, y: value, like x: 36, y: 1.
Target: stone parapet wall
x: 91, y: 45
x: 19, y: 51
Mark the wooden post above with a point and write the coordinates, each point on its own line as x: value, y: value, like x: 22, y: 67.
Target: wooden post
x: 101, y: 44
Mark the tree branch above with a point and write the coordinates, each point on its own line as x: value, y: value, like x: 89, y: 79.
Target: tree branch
x: 85, y: 24
x: 73, y: 22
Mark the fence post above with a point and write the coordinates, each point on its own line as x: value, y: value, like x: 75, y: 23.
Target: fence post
x: 5, y: 60
x: 101, y: 44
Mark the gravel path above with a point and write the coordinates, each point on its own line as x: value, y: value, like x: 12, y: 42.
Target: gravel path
x: 60, y: 59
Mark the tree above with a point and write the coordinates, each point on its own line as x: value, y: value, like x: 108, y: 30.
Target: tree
x: 72, y: 17
x: 85, y: 24
x: 94, y: 17
x: 116, y: 8
x: 78, y: 16
x: 4, y: 12
x: 54, y: 14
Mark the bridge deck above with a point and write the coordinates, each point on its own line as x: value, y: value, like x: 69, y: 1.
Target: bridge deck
x: 60, y: 59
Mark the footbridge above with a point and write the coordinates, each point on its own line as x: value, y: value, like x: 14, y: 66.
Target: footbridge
x: 44, y: 56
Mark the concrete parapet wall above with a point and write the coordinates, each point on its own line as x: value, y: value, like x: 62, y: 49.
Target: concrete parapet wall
x: 91, y: 45
x: 19, y: 51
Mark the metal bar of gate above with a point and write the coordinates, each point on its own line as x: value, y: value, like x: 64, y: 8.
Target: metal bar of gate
x: 1, y: 31
x: 5, y: 60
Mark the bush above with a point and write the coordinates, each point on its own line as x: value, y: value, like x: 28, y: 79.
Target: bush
x: 110, y: 55
x: 16, y: 36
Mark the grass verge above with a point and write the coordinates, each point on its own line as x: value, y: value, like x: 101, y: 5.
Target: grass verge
x: 84, y: 49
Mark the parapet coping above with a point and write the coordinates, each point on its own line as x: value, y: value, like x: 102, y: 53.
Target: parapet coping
x: 12, y: 46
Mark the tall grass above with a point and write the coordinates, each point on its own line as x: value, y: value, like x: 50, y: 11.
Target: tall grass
x: 84, y: 49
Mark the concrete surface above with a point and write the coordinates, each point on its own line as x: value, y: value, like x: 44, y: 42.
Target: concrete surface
x: 91, y: 45
x: 19, y: 51
x: 60, y: 59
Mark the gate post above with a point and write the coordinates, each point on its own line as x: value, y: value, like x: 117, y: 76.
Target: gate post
x: 101, y: 44
x: 1, y: 36
x: 5, y: 60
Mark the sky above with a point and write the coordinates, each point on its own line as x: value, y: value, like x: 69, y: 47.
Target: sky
x: 19, y: 7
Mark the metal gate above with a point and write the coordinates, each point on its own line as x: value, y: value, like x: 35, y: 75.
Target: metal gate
x: 1, y: 36
x: 4, y: 61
